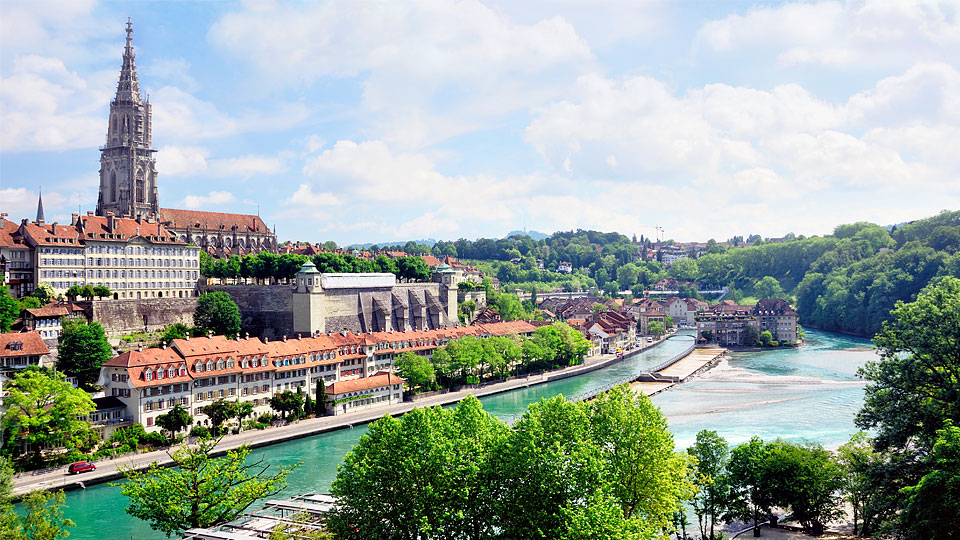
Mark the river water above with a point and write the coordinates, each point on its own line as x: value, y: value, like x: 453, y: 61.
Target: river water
x: 810, y: 393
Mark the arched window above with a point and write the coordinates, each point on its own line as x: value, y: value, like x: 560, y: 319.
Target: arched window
x: 160, y: 373
x: 171, y: 372
x: 220, y: 364
x: 230, y: 363
x: 113, y: 184
x: 198, y: 367
x: 148, y: 375
x: 209, y: 365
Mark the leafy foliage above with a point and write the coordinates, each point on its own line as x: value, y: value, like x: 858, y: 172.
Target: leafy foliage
x: 83, y: 348
x: 218, y: 313
x: 200, y: 491
x: 9, y: 309
x: 44, y: 410
x: 564, y: 470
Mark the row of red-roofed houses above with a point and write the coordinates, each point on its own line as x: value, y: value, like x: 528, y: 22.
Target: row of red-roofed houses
x: 356, y: 370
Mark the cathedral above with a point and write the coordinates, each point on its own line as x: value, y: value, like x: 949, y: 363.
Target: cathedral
x: 128, y: 178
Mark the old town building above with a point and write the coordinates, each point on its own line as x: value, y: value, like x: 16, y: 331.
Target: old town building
x: 128, y: 178
x: 195, y: 372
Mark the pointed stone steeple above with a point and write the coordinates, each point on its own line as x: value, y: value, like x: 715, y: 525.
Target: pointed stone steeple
x: 128, y: 88
x: 40, y: 207
x: 128, y: 172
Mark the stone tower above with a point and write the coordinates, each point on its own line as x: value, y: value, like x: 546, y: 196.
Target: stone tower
x: 128, y: 171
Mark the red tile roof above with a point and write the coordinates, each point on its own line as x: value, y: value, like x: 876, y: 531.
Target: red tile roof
x: 10, y: 235
x: 97, y: 228
x: 213, y: 221
x: 54, y: 309
x: 382, y: 378
x: 52, y: 234
x: 30, y: 344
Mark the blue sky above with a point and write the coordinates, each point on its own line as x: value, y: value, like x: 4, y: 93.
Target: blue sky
x: 378, y: 121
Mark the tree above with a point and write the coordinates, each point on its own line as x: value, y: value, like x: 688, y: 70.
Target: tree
x: 321, y: 405
x: 423, y: 475
x: 768, y: 287
x: 707, y: 335
x: 244, y: 409
x: 9, y: 309
x: 931, y: 503
x: 44, y: 410
x: 766, y: 338
x: 44, y: 293
x: 87, y: 292
x: 807, y: 479
x: 199, y: 491
x: 655, y: 328
x: 83, y: 348
x: 218, y: 313
x: 74, y: 291
x: 413, y: 269
x: 866, y: 488
x: 175, y: 331
x: 287, y: 402
x: 416, y: 370
x: 175, y: 421
x: 42, y: 519
x: 751, y: 335
x: 751, y: 492
x: 668, y: 322
x: 710, y: 502
x: 642, y: 471
x: 914, y: 386
x: 101, y: 291
x: 219, y: 412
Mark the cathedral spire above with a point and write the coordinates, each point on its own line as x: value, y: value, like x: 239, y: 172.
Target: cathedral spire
x: 128, y: 89
x: 40, y: 207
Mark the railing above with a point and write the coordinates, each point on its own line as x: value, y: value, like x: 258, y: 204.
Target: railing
x: 627, y: 380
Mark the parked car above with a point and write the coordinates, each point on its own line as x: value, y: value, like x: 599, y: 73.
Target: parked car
x: 81, y: 466
x: 649, y: 340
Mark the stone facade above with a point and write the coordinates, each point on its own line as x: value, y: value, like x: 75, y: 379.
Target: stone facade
x: 325, y: 303
x: 120, y: 317
x: 128, y: 163
x: 266, y: 310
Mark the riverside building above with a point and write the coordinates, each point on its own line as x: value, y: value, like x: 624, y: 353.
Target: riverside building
x: 356, y: 370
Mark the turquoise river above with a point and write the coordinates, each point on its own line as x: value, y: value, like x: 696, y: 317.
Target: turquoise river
x: 809, y: 393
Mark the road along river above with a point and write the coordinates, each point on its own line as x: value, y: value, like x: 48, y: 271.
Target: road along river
x: 808, y: 393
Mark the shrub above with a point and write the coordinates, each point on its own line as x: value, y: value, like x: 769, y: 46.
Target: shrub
x: 154, y: 439
x: 200, y: 432
x: 266, y: 418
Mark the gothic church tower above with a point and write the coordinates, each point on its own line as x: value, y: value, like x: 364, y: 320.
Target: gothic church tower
x: 128, y: 171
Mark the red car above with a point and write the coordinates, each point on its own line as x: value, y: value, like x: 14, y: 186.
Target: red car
x: 81, y: 466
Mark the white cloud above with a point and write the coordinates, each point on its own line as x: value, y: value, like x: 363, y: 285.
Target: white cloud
x: 430, y: 69
x: 189, y: 161
x: 213, y: 198
x: 855, y: 33
x: 43, y: 105
x: 304, y: 196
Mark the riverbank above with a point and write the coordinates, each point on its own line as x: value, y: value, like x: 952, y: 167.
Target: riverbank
x: 109, y: 469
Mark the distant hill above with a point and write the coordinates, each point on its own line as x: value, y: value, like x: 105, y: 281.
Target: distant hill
x: 536, y: 235
x: 394, y: 243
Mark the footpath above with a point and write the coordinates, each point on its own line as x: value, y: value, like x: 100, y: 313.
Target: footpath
x: 109, y: 469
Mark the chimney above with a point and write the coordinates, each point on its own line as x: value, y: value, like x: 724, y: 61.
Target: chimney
x: 74, y: 218
x: 163, y: 346
x: 139, y: 347
x: 266, y: 339
x: 299, y: 336
x: 110, y: 222
x: 3, y: 218
x: 246, y: 336
x: 284, y: 338
x: 188, y: 337
x: 90, y: 213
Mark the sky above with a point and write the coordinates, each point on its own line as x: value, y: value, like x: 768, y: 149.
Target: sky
x: 375, y: 121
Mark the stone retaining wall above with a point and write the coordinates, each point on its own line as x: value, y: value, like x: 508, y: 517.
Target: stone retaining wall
x: 130, y: 316
x: 266, y: 310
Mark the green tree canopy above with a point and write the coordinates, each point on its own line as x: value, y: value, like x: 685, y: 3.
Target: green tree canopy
x: 416, y: 370
x: 219, y: 412
x: 712, y: 481
x: 175, y: 421
x: 199, y: 491
x: 9, y: 309
x: 45, y: 410
x: 914, y: 386
x: 287, y: 403
x: 218, y: 313
x: 83, y: 348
